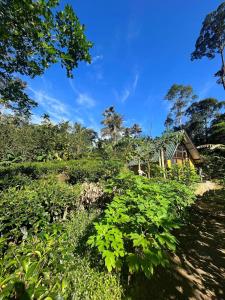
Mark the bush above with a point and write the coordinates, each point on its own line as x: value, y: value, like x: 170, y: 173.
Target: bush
x: 136, y: 229
x: 184, y: 174
x: 91, y: 170
x: 14, y: 181
x: 33, y: 207
x: 46, y: 267
x: 214, y: 164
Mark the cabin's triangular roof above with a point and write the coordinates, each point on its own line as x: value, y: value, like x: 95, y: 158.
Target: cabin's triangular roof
x: 171, y: 145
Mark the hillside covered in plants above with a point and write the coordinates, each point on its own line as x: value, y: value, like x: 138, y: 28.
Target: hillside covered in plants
x: 100, y: 212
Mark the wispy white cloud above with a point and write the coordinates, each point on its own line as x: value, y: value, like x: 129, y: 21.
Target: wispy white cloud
x: 125, y: 95
x: 136, y: 78
x: 96, y: 58
x: 130, y: 90
x: 51, y: 105
x: 83, y: 99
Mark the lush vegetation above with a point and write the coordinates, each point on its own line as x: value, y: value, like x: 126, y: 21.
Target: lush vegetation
x: 136, y: 229
x: 76, y: 222
x: 46, y: 266
x: 47, y: 226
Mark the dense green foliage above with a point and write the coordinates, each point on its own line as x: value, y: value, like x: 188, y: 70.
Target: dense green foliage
x: 23, y: 141
x: 214, y: 164
x: 75, y: 222
x: 41, y: 36
x: 203, y: 120
x: 45, y: 266
x: 44, y: 231
x: 30, y: 209
x: 183, y: 174
x: 81, y: 170
x: 136, y: 229
x: 201, y: 117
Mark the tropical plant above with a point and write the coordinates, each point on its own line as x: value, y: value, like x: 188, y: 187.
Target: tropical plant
x: 135, y: 231
x: 112, y: 122
x: 46, y: 266
x: 185, y: 174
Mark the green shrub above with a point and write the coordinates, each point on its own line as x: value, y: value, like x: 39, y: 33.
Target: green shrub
x: 184, y: 174
x: 214, y: 164
x: 136, y: 229
x: 91, y: 170
x: 14, y: 181
x: 46, y: 267
x: 34, y: 206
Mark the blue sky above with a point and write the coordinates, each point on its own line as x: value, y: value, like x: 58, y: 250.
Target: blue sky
x: 141, y: 47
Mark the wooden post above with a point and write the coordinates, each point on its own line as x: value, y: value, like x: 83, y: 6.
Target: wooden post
x: 163, y: 162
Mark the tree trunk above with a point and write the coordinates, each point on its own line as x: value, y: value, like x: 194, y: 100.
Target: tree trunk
x: 163, y: 162
x: 149, y: 169
x: 223, y: 69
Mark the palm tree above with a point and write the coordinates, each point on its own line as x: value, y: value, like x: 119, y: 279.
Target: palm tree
x: 113, y: 124
x: 136, y: 130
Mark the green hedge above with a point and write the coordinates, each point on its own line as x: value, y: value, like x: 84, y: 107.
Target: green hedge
x: 78, y: 171
x: 31, y: 208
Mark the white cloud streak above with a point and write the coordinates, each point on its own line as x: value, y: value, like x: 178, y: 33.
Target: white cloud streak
x: 53, y: 106
x: 96, y: 58
x: 128, y: 91
x: 83, y: 99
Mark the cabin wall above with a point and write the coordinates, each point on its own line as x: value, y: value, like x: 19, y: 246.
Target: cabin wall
x: 181, y: 157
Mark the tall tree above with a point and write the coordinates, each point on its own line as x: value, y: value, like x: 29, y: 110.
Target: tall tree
x: 135, y: 130
x: 169, y: 122
x: 34, y: 34
x: 200, y: 116
x: 211, y: 40
x: 82, y: 139
x: 113, y: 124
x: 180, y: 96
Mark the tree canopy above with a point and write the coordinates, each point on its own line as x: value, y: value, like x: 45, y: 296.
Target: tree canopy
x: 180, y: 96
x: 200, y: 115
x: 33, y: 36
x: 211, y: 40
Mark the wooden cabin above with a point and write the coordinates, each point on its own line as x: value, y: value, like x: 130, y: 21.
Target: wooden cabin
x: 180, y: 152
